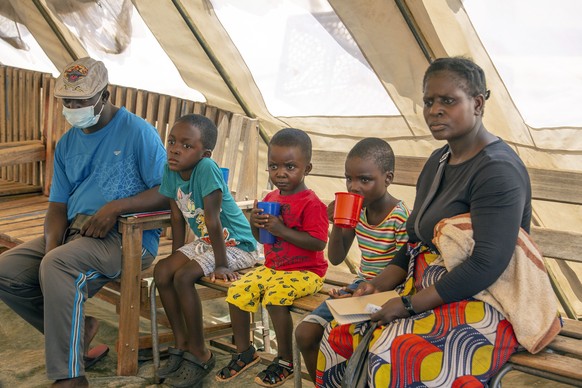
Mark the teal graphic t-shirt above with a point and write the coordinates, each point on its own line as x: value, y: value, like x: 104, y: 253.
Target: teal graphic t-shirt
x: 189, y: 196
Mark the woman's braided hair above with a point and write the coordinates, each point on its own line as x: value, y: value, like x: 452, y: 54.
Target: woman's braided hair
x: 464, y: 68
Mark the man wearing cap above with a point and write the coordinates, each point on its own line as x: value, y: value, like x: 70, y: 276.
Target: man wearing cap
x: 109, y: 163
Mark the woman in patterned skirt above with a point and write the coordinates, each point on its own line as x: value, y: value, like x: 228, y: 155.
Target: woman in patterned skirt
x: 437, y: 334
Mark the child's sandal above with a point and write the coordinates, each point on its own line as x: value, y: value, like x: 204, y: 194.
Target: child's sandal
x: 276, y: 373
x: 238, y: 364
x: 172, y: 364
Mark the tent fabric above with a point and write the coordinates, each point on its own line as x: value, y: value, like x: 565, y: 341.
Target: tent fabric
x: 207, y: 59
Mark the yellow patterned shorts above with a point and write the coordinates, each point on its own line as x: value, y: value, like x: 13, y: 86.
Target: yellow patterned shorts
x: 278, y: 288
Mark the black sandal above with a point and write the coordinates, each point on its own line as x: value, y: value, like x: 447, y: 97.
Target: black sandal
x: 234, y: 367
x: 276, y: 373
x: 172, y: 364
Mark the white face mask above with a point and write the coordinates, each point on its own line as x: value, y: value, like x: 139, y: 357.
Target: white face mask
x: 83, y: 117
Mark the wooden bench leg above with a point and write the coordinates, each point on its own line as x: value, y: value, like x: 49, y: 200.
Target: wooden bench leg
x: 129, y: 304
x: 154, y: 326
x: 296, y: 362
x: 265, y: 329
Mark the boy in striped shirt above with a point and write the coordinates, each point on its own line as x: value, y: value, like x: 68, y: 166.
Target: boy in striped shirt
x: 381, y: 232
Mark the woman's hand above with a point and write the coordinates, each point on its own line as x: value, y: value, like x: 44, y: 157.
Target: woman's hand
x: 391, y: 310
x: 365, y: 288
x: 224, y: 273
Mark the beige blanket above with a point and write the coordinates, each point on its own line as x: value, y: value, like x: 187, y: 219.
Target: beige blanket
x: 523, y: 293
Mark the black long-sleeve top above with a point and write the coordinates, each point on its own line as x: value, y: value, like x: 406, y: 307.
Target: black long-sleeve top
x: 494, y: 187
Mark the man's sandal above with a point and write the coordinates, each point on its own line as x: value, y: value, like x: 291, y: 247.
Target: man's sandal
x: 191, y: 371
x: 276, y: 373
x: 238, y: 364
x: 94, y: 355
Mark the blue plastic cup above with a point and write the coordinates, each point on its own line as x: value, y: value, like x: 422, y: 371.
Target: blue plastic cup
x: 225, y: 173
x: 274, y: 209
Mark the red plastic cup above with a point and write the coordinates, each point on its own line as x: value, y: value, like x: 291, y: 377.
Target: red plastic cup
x: 346, y: 212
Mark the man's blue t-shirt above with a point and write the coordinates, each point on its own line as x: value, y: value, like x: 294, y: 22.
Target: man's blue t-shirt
x: 189, y: 196
x: 120, y: 160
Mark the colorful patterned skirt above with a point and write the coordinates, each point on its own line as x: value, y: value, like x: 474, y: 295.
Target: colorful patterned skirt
x: 460, y: 344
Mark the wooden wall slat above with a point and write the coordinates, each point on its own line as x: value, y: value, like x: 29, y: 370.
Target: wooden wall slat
x: 211, y: 112
x: 174, y: 113
x: 130, y: 96
x: 141, y: 103
x: 249, y: 164
x: 218, y: 153
x: 112, y: 93
x: 11, y: 88
x: 187, y: 107
x: 151, y: 108
x: 26, y: 116
x: 37, y: 124
x: 198, y: 107
x: 558, y: 244
x: 50, y: 131
x: 162, y: 117
x: 559, y: 186
x: 3, y: 106
x: 3, y: 112
x: 232, y: 143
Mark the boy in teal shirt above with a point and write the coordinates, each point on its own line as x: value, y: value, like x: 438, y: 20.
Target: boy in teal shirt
x: 225, y: 243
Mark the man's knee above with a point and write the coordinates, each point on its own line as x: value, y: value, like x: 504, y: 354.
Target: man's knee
x: 49, y: 263
x: 17, y: 273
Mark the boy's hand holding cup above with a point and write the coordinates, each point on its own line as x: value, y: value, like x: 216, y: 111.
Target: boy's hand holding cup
x: 330, y: 211
x: 273, y: 209
x: 347, y: 209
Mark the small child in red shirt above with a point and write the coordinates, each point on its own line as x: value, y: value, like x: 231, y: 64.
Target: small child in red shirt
x: 294, y: 264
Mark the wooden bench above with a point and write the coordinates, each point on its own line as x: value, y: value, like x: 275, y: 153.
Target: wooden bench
x: 560, y: 361
x: 22, y: 145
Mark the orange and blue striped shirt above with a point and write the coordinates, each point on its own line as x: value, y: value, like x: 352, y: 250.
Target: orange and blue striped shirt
x: 379, y: 243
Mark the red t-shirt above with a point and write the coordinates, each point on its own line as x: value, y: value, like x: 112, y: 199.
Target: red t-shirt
x: 304, y: 212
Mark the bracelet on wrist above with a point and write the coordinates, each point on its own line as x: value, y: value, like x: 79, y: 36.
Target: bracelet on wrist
x: 408, y: 305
